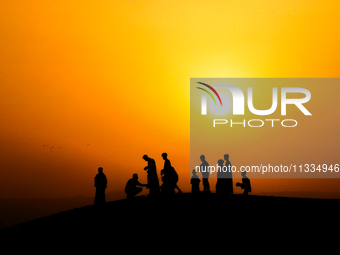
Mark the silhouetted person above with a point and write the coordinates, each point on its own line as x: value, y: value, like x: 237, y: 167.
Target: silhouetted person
x: 167, y: 163
x: 153, y: 183
x: 195, y: 183
x: 131, y: 188
x: 245, y: 185
x: 228, y: 175
x: 169, y: 177
x: 204, y: 169
x: 222, y: 182
x: 100, y: 182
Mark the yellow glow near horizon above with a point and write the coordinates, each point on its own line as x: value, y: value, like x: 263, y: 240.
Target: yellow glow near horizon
x: 116, y: 74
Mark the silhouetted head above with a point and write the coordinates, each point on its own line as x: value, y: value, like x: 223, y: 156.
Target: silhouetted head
x: 164, y: 155
x: 220, y: 162
x: 100, y: 170
x: 194, y: 172
x: 145, y: 157
x: 226, y: 157
x: 243, y: 173
x: 135, y: 176
x: 202, y: 157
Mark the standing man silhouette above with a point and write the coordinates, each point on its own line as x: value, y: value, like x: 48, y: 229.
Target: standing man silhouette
x: 153, y: 182
x: 167, y: 163
x: 204, y: 169
x: 229, y: 175
x: 195, y: 183
x: 100, y: 182
x: 222, y: 182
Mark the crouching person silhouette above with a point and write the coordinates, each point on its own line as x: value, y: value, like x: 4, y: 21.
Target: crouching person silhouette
x: 100, y: 182
x: 131, y: 188
x: 245, y: 185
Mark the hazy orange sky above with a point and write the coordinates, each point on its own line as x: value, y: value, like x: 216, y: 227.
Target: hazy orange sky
x: 109, y: 81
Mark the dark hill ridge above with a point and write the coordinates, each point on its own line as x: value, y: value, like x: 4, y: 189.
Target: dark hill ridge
x: 182, y: 214
x: 17, y: 211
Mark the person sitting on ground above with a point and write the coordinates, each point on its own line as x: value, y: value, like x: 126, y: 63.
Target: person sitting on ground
x: 131, y: 188
x: 245, y: 185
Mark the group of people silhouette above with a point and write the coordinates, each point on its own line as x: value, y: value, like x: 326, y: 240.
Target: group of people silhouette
x: 168, y: 174
x: 224, y: 184
x: 169, y: 177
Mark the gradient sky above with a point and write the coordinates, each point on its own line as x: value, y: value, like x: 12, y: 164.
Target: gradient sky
x: 109, y: 81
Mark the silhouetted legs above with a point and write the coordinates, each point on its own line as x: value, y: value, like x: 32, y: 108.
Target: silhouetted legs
x: 206, y: 185
x: 99, y: 198
x: 224, y: 186
x: 179, y: 191
x: 168, y: 188
x: 244, y: 187
x: 153, y: 190
x: 134, y: 193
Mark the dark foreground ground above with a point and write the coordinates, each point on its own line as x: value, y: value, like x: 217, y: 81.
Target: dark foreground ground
x: 196, y: 220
